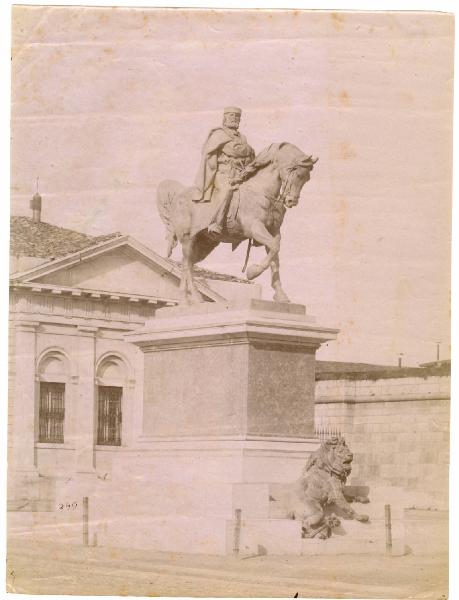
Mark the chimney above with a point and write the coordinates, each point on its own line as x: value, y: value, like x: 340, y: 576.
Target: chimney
x: 35, y: 205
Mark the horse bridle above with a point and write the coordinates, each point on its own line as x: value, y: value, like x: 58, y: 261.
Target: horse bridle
x: 304, y: 162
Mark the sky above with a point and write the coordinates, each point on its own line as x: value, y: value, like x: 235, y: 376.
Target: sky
x: 106, y: 103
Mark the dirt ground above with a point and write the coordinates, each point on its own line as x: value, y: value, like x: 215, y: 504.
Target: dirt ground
x: 46, y: 568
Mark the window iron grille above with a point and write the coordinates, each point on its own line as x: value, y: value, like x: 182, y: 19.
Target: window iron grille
x: 51, y: 412
x: 109, y: 416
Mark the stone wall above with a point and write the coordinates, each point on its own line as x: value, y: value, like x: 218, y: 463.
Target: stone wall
x: 397, y: 428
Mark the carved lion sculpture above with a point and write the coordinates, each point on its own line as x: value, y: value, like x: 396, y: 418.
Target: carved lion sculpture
x: 322, y: 484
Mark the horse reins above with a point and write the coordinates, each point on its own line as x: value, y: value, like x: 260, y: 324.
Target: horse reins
x: 285, y: 189
x: 280, y: 199
x: 249, y: 246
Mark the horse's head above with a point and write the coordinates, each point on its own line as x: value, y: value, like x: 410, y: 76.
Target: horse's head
x: 294, y: 170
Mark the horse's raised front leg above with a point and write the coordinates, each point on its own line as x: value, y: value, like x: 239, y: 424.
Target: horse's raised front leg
x: 279, y: 294
x: 272, y: 243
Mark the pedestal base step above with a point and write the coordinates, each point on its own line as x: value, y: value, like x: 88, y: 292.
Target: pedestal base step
x: 217, y: 535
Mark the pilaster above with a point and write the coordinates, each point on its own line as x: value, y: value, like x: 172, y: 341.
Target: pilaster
x: 86, y: 405
x: 25, y: 413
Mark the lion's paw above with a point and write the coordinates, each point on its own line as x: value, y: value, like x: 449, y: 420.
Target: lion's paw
x: 362, y: 499
x: 362, y: 518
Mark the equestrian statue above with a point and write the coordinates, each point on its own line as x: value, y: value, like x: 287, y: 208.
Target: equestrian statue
x: 237, y: 196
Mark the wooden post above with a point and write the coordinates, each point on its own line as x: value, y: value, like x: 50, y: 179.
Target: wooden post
x: 237, y: 531
x: 85, y: 521
x: 388, y: 529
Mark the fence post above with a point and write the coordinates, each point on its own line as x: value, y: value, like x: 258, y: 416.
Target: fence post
x: 85, y: 521
x: 388, y: 529
x: 237, y: 531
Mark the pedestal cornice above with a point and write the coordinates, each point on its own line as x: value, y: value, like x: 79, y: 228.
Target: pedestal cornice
x: 214, y: 325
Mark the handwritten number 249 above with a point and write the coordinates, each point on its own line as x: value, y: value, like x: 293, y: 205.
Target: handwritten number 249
x: 68, y: 506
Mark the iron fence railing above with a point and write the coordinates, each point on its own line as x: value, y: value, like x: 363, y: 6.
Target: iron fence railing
x: 325, y: 432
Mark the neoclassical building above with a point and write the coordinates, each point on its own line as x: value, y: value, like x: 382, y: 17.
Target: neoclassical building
x: 75, y: 384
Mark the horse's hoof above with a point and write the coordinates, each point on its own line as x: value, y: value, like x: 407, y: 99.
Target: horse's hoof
x: 281, y: 297
x: 253, y: 271
x: 184, y: 300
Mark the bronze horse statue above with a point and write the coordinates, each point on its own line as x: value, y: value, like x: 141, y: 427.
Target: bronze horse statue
x: 265, y: 189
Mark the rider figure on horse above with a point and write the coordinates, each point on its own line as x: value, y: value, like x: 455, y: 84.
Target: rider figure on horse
x: 224, y: 156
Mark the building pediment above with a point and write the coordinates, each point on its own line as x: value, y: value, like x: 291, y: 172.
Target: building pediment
x: 117, y: 266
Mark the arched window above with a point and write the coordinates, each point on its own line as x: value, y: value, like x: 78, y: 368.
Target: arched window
x: 53, y: 372
x: 111, y: 378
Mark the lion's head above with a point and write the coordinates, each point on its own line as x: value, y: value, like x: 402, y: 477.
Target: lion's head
x: 333, y: 456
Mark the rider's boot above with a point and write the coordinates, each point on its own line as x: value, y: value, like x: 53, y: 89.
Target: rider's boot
x: 218, y: 220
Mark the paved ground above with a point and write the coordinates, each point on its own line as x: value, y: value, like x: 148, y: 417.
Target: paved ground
x: 43, y: 568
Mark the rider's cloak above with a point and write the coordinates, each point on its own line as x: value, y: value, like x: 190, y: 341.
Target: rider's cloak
x: 213, y: 146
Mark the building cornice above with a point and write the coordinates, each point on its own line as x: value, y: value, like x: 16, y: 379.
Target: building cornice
x: 58, y: 290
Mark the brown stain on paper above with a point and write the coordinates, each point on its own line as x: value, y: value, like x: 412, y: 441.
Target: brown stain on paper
x: 338, y: 20
x: 342, y: 213
x: 346, y: 151
x: 393, y: 52
x: 344, y: 98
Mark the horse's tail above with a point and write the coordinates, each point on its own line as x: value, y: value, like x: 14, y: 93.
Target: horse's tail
x: 168, y: 190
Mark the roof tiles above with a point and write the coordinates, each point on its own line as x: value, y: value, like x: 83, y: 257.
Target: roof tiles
x: 43, y: 240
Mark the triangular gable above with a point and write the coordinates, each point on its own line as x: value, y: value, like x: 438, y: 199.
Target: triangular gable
x: 121, y: 265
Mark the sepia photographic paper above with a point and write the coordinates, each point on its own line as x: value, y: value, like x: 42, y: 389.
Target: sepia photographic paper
x: 229, y: 322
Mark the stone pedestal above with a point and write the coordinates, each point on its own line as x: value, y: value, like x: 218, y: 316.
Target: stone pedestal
x: 228, y: 409
x: 243, y: 373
